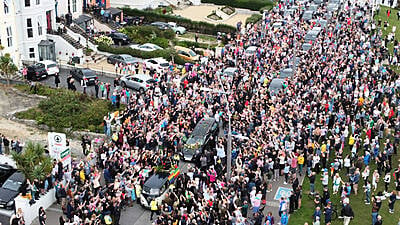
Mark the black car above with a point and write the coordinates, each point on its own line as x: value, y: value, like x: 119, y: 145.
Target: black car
x: 36, y: 72
x: 200, y: 139
x: 84, y: 73
x: 5, y: 172
x: 11, y: 189
x: 120, y: 38
x: 155, y: 187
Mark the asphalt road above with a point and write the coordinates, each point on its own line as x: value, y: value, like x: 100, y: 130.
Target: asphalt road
x: 50, y: 81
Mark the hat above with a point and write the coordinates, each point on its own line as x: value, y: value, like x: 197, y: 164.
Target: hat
x: 107, y: 219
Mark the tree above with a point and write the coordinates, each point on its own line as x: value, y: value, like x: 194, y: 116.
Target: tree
x: 7, y: 67
x: 33, y: 162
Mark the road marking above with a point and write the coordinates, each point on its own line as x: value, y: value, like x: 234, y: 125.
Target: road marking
x: 282, y: 192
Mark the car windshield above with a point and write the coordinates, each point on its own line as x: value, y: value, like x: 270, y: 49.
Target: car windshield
x: 194, y: 141
x: 88, y: 73
x: 164, y: 64
x: 192, y: 53
x: 12, y: 185
x: 151, y: 81
x: 52, y: 65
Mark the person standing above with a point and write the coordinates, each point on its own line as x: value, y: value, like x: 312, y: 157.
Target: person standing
x: 392, y: 200
x: 153, y: 208
x: 42, y: 216
x: 347, y: 212
x: 379, y: 220
x: 56, y: 79
x: 1, y: 144
x: 6, y: 143
x: 96, y: 88
x: 84, y: 85
x: 367, y: 193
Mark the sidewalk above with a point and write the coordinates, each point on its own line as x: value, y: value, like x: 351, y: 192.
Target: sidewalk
x: 53, y: 214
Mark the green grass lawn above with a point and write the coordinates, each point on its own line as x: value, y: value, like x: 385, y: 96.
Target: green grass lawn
x: 204, y: 37
x: 362, y: 212
x: 392, y: 21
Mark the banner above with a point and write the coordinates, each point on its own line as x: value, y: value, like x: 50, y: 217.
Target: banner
x: 58, y: 148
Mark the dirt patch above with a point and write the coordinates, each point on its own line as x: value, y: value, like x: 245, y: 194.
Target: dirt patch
x: 11, y: 101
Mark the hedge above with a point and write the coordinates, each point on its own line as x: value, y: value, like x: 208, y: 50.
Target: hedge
x: 189, y: 44
x: 164, y: 53
x: 190, y: 25
x: 245, y: 4
x: 253, y: 18
x: 65, y: 110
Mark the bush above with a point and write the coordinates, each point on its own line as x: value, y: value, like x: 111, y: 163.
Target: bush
x: 245, y: 4
x: 144, y: 34
x: 165, y: 53
x: 195, y: 26
x: 189, y: 44
x: 67, y: 109
x: 162, y: 42
x: 254, y: 18
x: 104, y: 40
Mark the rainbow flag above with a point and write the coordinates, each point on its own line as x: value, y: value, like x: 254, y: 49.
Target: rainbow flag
x: 173, y: 174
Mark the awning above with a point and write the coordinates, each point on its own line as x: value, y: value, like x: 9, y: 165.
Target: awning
x: 82, y: 19
x: 113, y: 11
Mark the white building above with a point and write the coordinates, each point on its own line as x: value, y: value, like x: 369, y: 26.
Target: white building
x: 8, y: 32
x: 64, y: 7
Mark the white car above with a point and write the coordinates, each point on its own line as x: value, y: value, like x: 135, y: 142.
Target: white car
x: 159, y: 64
x: 251, y: 50
x: 148, y: 47
x: 177, y: 29
x: 51, y: 67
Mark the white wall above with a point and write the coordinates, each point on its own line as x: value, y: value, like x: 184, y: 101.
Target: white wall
x: 8, y: 20
x: 62, y: 8
x: 37, y: 13
x: 65, y: 48
x: 32, y: 211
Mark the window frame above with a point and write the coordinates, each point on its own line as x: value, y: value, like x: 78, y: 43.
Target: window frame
x: 31, y: 53
x: 29, y: 28
x: 9, y: 36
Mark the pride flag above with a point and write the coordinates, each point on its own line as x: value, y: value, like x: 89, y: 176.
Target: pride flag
x: 173, y: 174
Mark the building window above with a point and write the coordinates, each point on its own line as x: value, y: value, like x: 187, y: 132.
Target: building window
x: 29, y: 28
x: 9, y: 37
x: 6, y: 9
x: 74, y: 6
x: 40, y: 28
x: 27, y: 3
x: 31, y: 53
x: 37, y: 2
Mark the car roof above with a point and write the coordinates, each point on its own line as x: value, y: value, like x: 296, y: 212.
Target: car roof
x: 230, y: 69
x: 182, y: 48
x: 143, y: 76
x: 17, y: 176
x: 203, y: 126
x: 156, y: 180
x: 125, y: 55
x: 47, y: 62
x: 276, y: 84
x: 252, y: 48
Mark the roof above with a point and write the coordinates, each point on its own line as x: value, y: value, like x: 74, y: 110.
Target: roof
x: 156, y: 180
x: 17, y: 176
x: 46, y: 43
x: 143, y: 76
x: 203, y: 126
x: 82, y: 19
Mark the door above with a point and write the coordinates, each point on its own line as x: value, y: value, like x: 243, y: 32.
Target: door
x: 48, y: 19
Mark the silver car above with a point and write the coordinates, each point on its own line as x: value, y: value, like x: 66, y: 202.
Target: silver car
x: 275, y: 86
x: 139, y: 82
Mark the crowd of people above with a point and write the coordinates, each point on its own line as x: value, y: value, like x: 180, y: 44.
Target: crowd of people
x: 314, y: 125
x: 337, y: 114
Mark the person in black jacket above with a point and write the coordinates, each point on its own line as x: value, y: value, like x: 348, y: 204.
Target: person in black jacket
x: 347, y: 212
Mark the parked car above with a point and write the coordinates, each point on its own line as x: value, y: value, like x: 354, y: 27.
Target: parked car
x: 275, y: 86
x: 200, y: 139
x: 320, y: 22
x: 331, y: 7
x: 311, y: 35
x: 11, y: 189
x: 5, y: 172
x: 139, y: 82
x: 177, y: 29
x: 36, y: 72
x: 251, y: 50
x: 187, y: 54
x: 124, y: 59
x: 156, y: 187
x: 307, y: 15
x: 51, y: 67
x: 120, y: 38
x: 84, y: 73
x: 286, y: 73
x: 313, y: 7
x: 159, y: 64
x: 160, y: 25
x: 148, y: 47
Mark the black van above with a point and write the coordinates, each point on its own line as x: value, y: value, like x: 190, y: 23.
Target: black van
x: 199, y: 139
